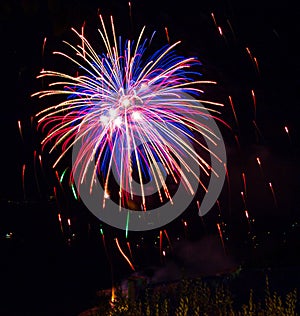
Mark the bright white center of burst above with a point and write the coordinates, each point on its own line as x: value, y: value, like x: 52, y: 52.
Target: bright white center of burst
x: 104, y: 119
x: 136, y: 116
x: 118, y: 121
x: 125, y: 102
x: 112, y: 113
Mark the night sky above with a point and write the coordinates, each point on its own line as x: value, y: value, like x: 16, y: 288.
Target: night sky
x: 269, y: 29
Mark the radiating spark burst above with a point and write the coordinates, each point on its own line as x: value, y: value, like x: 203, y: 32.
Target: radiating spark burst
x: 121, y: 99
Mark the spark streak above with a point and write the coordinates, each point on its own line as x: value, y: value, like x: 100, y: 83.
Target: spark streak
x: 124, y: 255
x: 273, y: 194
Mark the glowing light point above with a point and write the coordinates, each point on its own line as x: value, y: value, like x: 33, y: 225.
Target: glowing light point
x: 112, y: 113
x: 143, y: 86
x: 104, y: 119
x: 136, y: 116
x: 125, y: 102
x: 106, y: 195
x: 118, y: 121
x: 286, y: 129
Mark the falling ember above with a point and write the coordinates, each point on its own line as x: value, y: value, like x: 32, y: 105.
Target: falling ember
x: 69, y: 227
x: 243, y: 198
x: 129, y: 248
x: 249, y: 53
x: 123, y: 254
x: 219, y: 206
x: 185, y: 226
x: 260, y: 166
x: 130, y: 15
x: 20, y: 129
x: 57, y: 176
x: 129, y: 6
x: 254, y: 102
x: 237, y: 141
x: 273, y: 194
x: 167, y: 34
x: 256, y: 64
x: 113, y: 296
x: 60, y: 222
x: 253, y: 59
x: 233, y: 110
x: 164, y: 253
x: 244, y: 183
x: 220, y: 30
x: 256, y: 128
x: 23, y: 181
x: 160, y: 242
x: 258, y: 161
x: 288, y: 133
x: 249, y: 226
x: 169, y: 241
x: 44, y: 45
x: 40, y: 160
x: 286, y: 129
x: 221, y: 237
x: 55, y: 194
x: 213, y: 17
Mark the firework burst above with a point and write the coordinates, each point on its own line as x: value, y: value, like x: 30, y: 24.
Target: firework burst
x: 129, y: 114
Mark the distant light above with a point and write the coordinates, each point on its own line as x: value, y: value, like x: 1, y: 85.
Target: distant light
x: 8, y: 235
x: 258, y: 161
x: 220, y: 30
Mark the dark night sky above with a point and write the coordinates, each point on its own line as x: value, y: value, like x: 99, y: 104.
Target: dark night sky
x: 269, y: 28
